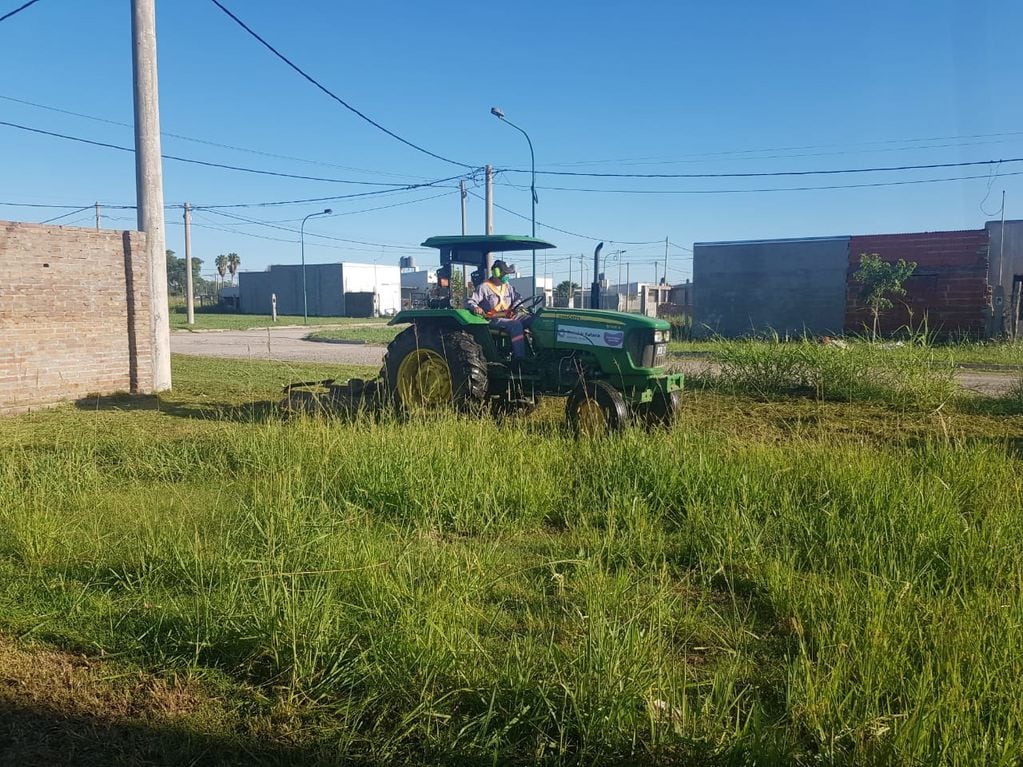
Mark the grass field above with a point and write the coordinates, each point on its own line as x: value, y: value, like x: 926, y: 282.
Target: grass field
x: 779, y: 580
x: 208, y: 320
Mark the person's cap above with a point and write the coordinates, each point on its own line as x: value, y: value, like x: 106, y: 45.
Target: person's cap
x: 505, y: 269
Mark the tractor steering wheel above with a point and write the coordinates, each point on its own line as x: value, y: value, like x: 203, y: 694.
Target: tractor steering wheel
x: 528, y: 305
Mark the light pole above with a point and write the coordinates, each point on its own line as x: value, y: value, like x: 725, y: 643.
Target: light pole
x: 496, y: 112
x: 301, y: 237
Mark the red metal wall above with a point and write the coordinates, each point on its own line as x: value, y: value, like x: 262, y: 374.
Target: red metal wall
x: 949, y: 286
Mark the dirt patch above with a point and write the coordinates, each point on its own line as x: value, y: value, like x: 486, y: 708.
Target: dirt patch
x: 63, y: 708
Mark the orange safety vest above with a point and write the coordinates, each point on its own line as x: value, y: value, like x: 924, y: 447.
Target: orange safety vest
x: 503, y: 299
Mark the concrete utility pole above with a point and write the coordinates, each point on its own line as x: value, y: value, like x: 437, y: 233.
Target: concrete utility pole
x: 97, y: 216
x: 149, y: 181
x: 490, y: 201
x: 461, y: 187
x: 189, y: 294
x: 665, y: 260
x: 628, y: 287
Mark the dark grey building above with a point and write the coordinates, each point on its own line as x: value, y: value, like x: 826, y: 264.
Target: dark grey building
x: 791, y: 287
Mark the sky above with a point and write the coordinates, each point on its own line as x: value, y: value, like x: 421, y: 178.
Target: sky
x: 601, y: 87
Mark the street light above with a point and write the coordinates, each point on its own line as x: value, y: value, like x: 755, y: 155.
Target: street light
x: 301, y: 237
x: 496, y: 112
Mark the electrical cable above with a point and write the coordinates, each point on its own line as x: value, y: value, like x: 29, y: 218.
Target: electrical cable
x: 270, y: 225
x: 564, y: 231
x: 374, y: 193
x: 731, y: 152
x: 770, y: 174
x: 333, y: 95
x: 201, y: 141
x: 204, y: 163
x: 65, y: 215
x: 772, y: 189
x: 18, y: 10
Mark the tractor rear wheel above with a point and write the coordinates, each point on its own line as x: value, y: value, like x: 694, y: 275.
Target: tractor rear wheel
x: 595, y: 409
x: 428, y: 369
x: 662, y: 411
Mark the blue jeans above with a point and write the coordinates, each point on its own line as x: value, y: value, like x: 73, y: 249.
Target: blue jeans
x: 515, y: 329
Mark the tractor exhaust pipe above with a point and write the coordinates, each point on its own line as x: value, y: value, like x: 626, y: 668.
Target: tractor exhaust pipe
x: 595, y: 287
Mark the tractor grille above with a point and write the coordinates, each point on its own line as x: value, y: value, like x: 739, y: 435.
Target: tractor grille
x: 654, y: 355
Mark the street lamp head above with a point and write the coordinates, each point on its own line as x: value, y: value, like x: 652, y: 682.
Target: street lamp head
x: 496, y: 112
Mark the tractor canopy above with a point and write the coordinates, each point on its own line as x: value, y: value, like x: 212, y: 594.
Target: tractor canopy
x: 472, y: 249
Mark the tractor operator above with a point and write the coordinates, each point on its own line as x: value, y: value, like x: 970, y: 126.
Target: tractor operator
x: 494, y: 299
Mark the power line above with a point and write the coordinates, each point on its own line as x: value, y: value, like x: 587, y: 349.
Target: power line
x: 374, y: 193
x: 65, y: 215
x: 205, y: 163
x: 566, y: 231
x: 330, y: 93
x: 271, y: 225
x: 16, y: 11
x: 770, y: 174
x: 193, y: 139
x: 698, y: 157
x: 771, y: 189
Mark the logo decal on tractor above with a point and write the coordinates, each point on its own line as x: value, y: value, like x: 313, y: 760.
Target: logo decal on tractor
x: 614, y: 338
x: 590, y: 336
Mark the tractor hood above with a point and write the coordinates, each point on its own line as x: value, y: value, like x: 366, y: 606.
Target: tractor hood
x: 606, y: 317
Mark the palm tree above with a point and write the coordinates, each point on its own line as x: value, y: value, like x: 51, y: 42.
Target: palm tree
x: 233, y: 262
x: 221, y: 263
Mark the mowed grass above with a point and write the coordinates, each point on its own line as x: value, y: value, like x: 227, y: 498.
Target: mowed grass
x: 774, y: 581
x: 381, y: 335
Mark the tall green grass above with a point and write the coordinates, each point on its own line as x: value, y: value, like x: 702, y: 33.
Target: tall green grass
x: 913, y: 377
x: 442, y: 591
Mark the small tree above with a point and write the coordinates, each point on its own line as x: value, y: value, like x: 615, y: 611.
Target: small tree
x: 233, y: 262
x: 221, y: 263
x: 881, y: 279
x: 565, y: 289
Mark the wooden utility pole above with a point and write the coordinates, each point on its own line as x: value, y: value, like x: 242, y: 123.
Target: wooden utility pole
x: 149, y: 181
x: 461, y: 187
x: 97, y: 216
x: 189, y: 293
x: 490, y: 200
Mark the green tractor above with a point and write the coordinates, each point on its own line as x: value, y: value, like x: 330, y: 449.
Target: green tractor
x: 609, y: 365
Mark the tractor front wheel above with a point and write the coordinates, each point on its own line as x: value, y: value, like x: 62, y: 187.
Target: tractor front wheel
x: 662, y: 411
x: 596, y: 409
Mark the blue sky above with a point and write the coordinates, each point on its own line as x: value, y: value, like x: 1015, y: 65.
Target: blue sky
x: 652, y: 87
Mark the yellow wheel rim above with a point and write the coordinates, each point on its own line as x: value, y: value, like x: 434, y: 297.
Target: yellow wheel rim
x: 424, y: 379
x: 591, y: 418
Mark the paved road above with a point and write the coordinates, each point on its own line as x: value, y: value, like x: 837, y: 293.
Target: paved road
x: 289, y: 344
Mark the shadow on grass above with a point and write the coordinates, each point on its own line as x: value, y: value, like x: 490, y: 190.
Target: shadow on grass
x: 39, y: 734
x: 263, y: 411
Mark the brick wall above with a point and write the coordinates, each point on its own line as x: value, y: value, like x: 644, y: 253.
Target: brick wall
x: 74, y: 314
x: 949, y: 286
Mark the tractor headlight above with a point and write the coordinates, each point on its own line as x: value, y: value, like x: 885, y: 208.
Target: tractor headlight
x: 660, y: 336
